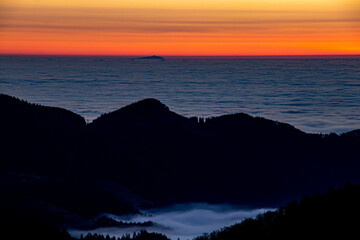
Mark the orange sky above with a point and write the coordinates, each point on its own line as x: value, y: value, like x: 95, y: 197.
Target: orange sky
x: 180, y: 27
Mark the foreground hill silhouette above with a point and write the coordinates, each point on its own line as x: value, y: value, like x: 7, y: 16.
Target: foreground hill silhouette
x: 143, y: 155
x: 235, y: 158
x: 333, y: 215
x: 37, y: 138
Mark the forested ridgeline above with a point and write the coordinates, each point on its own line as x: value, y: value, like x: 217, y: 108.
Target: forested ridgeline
x: 333, y: 215
x: 145, y: 155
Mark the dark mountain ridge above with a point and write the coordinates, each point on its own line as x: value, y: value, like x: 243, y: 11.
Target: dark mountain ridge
x: 160, y: 157
x: 37, y: 138
x: 333, y: 215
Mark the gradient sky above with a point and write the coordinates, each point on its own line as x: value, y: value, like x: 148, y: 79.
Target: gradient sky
x: 180, y: 27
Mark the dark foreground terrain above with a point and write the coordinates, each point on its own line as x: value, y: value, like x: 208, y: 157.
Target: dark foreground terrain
x: 59, y: 171
x: 333, y: 215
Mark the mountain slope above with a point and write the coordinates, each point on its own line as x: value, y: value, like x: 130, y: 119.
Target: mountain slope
x: 38, y: 139
x: 161, y: 157
x: 235, y: 158
x: 322, y: 216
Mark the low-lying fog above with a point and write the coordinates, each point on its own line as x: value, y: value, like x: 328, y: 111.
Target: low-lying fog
x: 184, y: 221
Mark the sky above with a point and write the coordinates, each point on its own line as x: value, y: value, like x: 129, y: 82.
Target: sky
x: 180, y: 27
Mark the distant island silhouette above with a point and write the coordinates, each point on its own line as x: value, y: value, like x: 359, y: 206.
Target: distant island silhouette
x: 152, y: 57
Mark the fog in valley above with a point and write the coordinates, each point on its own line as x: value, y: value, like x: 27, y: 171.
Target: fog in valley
x: 184, y: 221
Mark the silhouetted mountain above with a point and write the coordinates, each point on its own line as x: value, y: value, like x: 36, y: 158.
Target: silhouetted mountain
x: 38, y: 139
x: 42, y: 152
x: 181, y: 159
x: 144, y: 155
x: 333, y: 215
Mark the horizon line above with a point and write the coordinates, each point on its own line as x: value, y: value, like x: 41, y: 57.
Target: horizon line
x: 294, y: 56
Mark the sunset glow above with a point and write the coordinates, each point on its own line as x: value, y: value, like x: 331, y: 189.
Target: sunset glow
x: 163, y: 27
